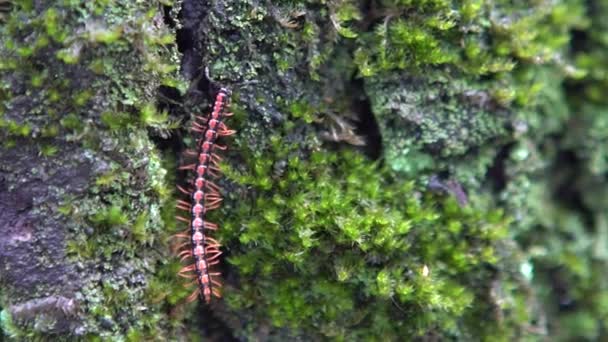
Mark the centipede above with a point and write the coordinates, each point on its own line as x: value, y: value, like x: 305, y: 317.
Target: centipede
x: 200, y: 250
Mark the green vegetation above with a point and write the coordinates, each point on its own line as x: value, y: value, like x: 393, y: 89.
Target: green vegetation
x: 332, y: 245
x: 505, y: 98
x: 79, y: 80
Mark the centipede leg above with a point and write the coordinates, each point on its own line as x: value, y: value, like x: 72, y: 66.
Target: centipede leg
x: 193, y: 296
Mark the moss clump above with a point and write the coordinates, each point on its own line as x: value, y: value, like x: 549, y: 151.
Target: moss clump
x: 476, y: 38
x: 468, y: 74
x: 560, y: 193
x: 333, y: 245
x: 427, y: 120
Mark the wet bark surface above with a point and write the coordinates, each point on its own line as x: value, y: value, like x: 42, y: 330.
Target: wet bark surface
x: 34, y: 269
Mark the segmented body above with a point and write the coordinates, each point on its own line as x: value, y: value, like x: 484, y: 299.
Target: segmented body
x: 204, y: 195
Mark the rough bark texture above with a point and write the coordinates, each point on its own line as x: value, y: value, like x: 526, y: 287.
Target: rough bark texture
x: 33, y: 253
x: 420, y: 170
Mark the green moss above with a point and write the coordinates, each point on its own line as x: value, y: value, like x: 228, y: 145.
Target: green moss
x: 335, y: 246
x: 116, y: 121
x: 103, y: 35
x: 69, y: 55
x: 328, y: 244
x: 447, y: 33
x: 423, y: 73
x: 90, y: 72
x: 7, y: 327
x: 426, y: 119
x: 110, y: 217
x: 48, y: 150
x: 15, y: 129
x: 447, y: 82
x: 150, y: 117
x: 71, y: 121
x: 301, y: 110
x: 563, y: 233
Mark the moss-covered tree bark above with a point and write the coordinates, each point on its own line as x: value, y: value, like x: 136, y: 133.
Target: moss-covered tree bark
x: 83, y: 185
x: 402, y: 170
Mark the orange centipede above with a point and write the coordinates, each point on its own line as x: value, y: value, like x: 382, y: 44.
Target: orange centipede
x: 201, y: 250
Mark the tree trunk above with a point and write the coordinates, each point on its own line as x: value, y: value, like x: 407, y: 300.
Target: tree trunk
x: 414, y: 170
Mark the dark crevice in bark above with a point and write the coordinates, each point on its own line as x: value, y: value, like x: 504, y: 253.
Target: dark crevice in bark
x: 568, y: 168
x: 189, y: 40
x: 366, y: 126
x: 496, y: 174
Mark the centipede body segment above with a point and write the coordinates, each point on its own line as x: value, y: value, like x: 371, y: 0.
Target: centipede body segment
x: 201, y: 250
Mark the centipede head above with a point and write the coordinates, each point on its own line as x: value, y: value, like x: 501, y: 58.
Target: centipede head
x: 225, y: 91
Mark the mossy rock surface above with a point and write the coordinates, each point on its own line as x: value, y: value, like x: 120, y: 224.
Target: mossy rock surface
x: 416, y: 169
